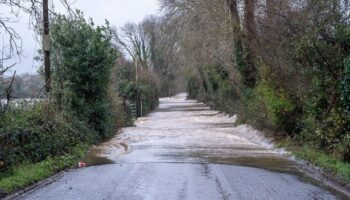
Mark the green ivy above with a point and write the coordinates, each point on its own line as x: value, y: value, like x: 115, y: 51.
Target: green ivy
x: 345, y: 88
x: 83, y: 57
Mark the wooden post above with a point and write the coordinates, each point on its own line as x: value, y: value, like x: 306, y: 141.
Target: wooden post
x: 141, y: 108
x: 137, y: 87
x: 46, y: 45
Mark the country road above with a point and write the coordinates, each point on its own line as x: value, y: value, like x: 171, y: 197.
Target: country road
x: 184, y: 150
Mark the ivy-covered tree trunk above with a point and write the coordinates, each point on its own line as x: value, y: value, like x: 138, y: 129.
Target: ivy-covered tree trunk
x: 232, y: 5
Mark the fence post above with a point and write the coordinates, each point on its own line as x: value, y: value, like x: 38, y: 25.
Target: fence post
x: 141, y: 109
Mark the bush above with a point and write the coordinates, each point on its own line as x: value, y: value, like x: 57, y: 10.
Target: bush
x: 213, y: 86
x: 82, y: 109
x: 122, y: 115
x: 149, y: 93
x: 277, y: 105
x: 265, y: 106
x: 223, y: 94
x: 34, y: 133
x: 146, y: 90
x: 326, y: 121
x: 345, y: 85
x: 330, y: 132
x: 28, y: 173
x: 193, y: 87
x: 83, y: 57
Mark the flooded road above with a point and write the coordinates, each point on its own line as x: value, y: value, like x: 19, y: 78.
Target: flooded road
x: 184, y: 150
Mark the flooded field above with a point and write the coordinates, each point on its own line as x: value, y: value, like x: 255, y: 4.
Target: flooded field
x: 21, y: 102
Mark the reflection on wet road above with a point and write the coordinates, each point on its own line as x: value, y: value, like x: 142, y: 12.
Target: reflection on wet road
x: 184, y: 150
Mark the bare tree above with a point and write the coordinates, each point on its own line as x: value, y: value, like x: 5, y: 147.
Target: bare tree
x: 133, y: 39
x: 11, y: 40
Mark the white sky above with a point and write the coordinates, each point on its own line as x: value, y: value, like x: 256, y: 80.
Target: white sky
x: 117, y: 12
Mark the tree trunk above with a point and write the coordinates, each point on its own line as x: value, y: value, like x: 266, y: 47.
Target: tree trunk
x: 251, y: 43
x: 232, y: 4
x: 270, y: 7
x: 249, y: 20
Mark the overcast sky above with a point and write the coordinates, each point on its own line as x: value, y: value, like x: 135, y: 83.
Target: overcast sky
x: 117, y: 12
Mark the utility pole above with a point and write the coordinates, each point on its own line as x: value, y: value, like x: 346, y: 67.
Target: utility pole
x: 138, y: 107
x: 46, y: 45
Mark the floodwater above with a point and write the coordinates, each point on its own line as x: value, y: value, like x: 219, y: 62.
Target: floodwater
x: 185, y: 150
x: 186, y: 131
x: 21, y: 101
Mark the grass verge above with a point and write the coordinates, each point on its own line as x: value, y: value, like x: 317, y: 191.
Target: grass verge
x: 28, y: 173
x: 328, y: 162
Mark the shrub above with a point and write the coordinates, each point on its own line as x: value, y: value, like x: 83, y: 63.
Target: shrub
x: 193, y: 87
x: 345, y: 85
x: 82, y: 61
x: 146, y: 89
x: 220, y: 90
x: 329, y: 132
x: 149, y: 93
x: 268, y: 107
x: 34, y: 133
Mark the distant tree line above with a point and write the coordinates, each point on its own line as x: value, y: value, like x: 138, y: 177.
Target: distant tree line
x: 24, y: 86
x: 152, y: 45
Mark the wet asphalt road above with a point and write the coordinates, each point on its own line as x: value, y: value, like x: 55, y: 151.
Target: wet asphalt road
x: 184, y: 150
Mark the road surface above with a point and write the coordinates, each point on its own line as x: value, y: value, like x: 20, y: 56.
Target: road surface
x: 184, y: 150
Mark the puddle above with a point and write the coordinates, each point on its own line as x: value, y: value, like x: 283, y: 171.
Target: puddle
x: 106, y: 153
x: 94, y: 160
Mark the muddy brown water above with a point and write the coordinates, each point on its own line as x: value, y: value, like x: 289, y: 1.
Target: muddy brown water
x: 183, y: 130
x: 186, y: 131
